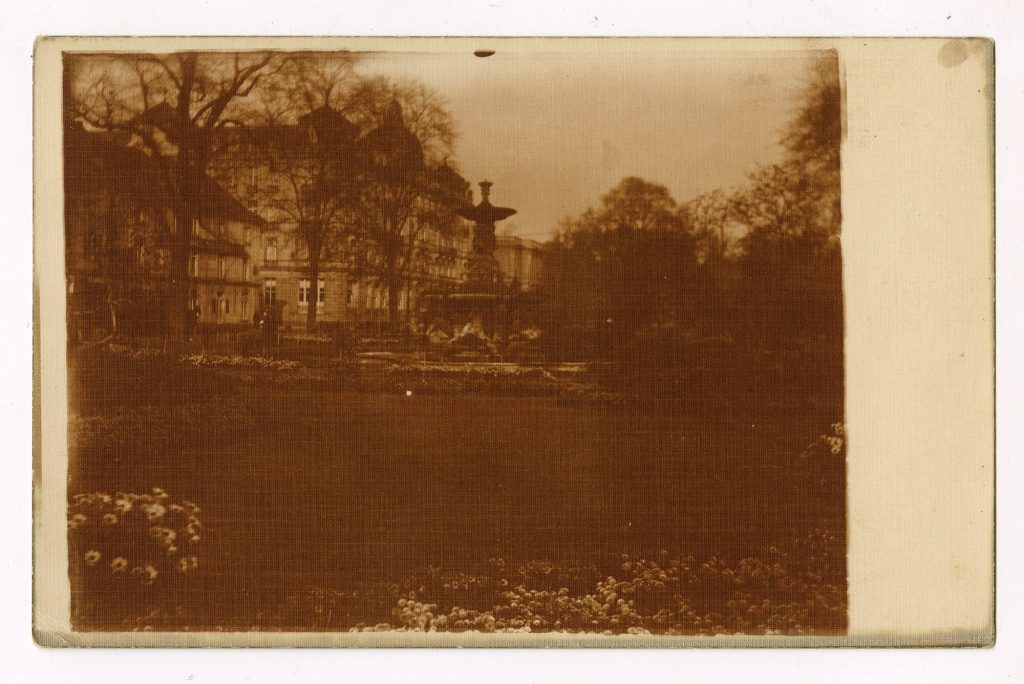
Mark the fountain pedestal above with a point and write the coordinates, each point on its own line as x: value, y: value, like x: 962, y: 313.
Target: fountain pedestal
x: 483, y: 275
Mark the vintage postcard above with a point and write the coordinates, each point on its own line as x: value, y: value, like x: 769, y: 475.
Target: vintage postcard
x: 514, y: 342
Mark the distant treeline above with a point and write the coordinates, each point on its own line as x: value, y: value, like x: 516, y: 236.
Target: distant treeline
x: 645, y: 281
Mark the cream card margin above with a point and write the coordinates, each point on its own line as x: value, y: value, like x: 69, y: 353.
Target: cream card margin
x: 918, y: 213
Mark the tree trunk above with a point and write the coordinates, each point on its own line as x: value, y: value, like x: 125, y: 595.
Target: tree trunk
x: 393, y: 294
x: 181, y: 252
x: 186, y: 210
x: 178, y: 296
x: 313, y: 294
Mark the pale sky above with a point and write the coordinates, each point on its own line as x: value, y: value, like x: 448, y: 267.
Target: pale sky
x: 555, y: 131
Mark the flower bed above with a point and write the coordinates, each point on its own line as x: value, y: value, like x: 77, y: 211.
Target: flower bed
x: 146, y: 537
x: 212, y: 361
x: 308, y: 337
x: 128, y: 553
x: 142, y: 353
x: 206, y: 360
x: 416, y: 378
x: 795, y: 587
x: 801, y: 591
x: 472, y: 371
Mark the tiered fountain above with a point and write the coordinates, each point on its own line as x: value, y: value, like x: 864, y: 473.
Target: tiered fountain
x: 484, y: 302
x: 483, y: 274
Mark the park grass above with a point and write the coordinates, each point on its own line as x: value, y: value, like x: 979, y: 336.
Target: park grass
x: 308, y: 488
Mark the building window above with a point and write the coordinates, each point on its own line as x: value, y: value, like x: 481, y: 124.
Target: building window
x: 304, y: 294
x: 220, y: 267
x: 270, y: 253
x: 193, y: 265
x: 269, y: 291
x: 245, y: 305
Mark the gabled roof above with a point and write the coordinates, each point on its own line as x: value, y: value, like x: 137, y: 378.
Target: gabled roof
x: 392, y: 145
x: 330, y: 126
x: 206, y: 242
x: 103, y: 161
x: 452, y: 190
x: 321, y: 128
x: 218, y: 203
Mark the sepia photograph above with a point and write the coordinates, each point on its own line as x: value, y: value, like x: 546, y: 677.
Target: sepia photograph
x: 455, y: 341
x: 513, y: 342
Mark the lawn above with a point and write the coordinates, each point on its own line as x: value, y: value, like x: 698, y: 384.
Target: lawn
x: 306, y: 486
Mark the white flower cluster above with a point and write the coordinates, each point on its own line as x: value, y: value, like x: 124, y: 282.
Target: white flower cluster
x: 138, y: 354
x: 146, y: 573
x: 144, y: 532
x: 831, y: 444
x: 769, y: 595
x: 206, y: 360
x: 307, y: 337
x: 211, y: 361
x: 491, y: 370
x: 187, y: 564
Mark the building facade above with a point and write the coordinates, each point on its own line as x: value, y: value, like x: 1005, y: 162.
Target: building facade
x: 116, y: 258
x: 248, y: 253
x: 520, y: 260
x: 267, y: 173
x: 223, y: 286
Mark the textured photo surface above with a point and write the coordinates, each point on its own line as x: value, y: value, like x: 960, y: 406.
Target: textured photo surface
x: 471, y: 341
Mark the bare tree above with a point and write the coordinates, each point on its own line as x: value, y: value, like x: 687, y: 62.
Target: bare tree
x: 812, y: 139
x: 424, y: 112
x: 709, y: 216
x: 791, y: 210
x: 173, y: 107
x: 406, y: 185
x: 311, y: 148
